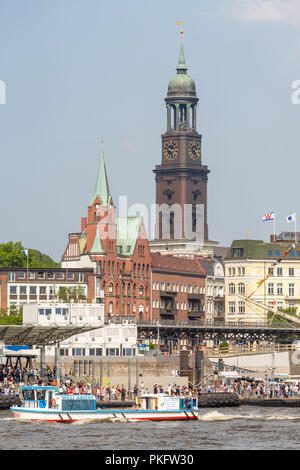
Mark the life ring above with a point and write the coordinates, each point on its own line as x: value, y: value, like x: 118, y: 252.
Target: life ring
x: 53, y: 402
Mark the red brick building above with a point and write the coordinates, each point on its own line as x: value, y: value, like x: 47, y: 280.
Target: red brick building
x: 178, y: 288
x: 118, y: 251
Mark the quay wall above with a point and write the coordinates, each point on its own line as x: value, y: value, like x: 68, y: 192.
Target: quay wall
x: 123, y: 370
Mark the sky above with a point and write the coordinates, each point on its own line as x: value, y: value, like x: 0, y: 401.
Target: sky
x: 79, y: 71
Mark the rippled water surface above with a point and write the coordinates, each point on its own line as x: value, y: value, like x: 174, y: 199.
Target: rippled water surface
x: 223, y: 428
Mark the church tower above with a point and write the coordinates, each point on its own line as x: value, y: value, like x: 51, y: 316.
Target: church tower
x: 181, y: 178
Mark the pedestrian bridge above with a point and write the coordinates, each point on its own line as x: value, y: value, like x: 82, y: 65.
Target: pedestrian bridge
x: 282, y: 332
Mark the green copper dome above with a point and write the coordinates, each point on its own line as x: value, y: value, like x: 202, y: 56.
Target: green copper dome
x: 181, y: 85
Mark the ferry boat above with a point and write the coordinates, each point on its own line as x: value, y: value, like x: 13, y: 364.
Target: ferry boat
x: 42, y: 403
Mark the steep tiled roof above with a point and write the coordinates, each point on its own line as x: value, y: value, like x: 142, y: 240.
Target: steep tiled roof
x: 176, y: 264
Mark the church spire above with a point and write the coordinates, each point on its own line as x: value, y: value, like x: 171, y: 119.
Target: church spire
x: 181, y: 68
x: 102, y: 188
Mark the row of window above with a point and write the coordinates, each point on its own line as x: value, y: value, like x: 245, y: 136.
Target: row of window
x: 13, y: 275
x: 240, y: 288
x: 271, y: 289
x: 125, y: 291
x: 272, y: 271
x: 58, y: 311
x: 164, y: 304
x: 239, y: 307
x: 33, y: 290
x: 97, y: 352
x: 167, y: 286
x: 138, y: 269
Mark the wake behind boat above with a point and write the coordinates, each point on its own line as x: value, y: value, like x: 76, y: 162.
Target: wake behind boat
x: 42, y: 403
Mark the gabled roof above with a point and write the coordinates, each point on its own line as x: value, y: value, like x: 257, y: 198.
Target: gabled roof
x: 97, y: 245
x: 128, y: 229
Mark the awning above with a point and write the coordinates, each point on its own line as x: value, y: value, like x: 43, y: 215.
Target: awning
x: 39, y: 335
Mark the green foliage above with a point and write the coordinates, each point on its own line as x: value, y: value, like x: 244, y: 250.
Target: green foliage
x: 12, y: 317
x: 224, y: 345
x: 74, y: 294
x: 11, y: 256
x: 290, y: 311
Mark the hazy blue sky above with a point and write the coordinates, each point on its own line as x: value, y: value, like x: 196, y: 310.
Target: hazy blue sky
x: 79, y: 70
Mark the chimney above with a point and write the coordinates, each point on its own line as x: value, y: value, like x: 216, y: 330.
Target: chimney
x: 83, y: 224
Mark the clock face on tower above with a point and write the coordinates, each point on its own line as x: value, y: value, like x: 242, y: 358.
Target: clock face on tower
x: 194, y: 150
x: 170, y: 149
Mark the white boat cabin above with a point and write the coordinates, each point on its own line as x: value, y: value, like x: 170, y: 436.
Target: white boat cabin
x: 164, y: 402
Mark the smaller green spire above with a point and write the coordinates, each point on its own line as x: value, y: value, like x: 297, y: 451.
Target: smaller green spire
x: 102, y: 189
x: 97, y: 245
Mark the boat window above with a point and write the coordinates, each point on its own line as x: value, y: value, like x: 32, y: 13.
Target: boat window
x: 28, y: 394
x: 40, y: 394
x: 86, y: 404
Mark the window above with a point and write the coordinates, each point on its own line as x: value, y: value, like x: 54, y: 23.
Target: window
x: 95, y: 351
x: 112, y: 351
x: 279, y: 289
x: 11, y: 276
x: 241, y: 288
x: 291, y: 290
x: 60, y: 275
x: 50, y: 275
x: 271, y: 271
x: 32, y: 290
x: 23, y: 290
x: 70, y: 275
x: 291, y: 272
x: 21, y: 275
x: 41, y: 275
x: 78, y: 352
x: 43, y: 290
x: 128, y: 352
x: 279, y: 271
x: 110, y: 288
x: 81, y: 277
x: 271, y: 289
x: 231, y: 306
x: 13, y: 290
x: 31, y: 275
x: 237, y: 252
x: 141, y: 290
x: 64, y: 352
x: 110, y: 308
x: 231, y: 288
x: 241, y: 306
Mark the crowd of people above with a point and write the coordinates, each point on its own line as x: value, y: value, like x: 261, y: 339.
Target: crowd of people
x: 11, y: 378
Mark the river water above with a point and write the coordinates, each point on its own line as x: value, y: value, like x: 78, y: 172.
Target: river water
x: 244, y: 427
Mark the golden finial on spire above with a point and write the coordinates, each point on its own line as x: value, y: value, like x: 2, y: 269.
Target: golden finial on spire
x: 181, y: 30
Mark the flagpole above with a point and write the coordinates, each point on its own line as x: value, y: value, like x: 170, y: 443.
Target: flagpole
x: 274, y: 227
x: 295, y: 230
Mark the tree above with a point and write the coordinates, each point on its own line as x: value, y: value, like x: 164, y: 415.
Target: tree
x: 71, y: 294
x: 14, y: 316
x: 12, y: 256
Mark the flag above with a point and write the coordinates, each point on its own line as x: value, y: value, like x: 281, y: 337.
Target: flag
x: 25, y: 252
x: 269, y: 216
x: 291, y: 218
